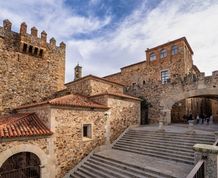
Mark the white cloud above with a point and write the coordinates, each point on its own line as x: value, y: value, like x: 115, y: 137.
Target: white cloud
x: 195, y: 19
x: 168, y: 21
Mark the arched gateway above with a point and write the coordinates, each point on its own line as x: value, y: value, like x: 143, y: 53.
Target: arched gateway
x: 24, y: 161
x: 203, y: 87
x: 22, y: 165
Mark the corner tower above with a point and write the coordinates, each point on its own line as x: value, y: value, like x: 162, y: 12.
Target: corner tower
x: 30, y: 67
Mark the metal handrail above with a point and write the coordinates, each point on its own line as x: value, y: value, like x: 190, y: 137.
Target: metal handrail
x: 197, y: 171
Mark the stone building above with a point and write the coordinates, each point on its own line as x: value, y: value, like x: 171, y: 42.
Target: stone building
x: 49, y: 126
x: 166, y: 66
x: 30, y: 67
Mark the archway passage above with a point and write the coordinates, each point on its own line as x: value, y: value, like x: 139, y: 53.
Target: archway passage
x: 21, y: 165
x: 191, y: 108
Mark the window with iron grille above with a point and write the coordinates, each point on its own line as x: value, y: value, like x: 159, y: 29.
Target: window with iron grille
x: 165, y: 76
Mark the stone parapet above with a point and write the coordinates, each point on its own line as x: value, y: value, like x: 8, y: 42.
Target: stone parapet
x: 210, y: 154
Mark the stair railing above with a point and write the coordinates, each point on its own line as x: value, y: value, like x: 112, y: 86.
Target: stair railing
x: 197, y: 171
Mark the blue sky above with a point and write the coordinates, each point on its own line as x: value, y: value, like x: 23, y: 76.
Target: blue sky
x: 105, y: 35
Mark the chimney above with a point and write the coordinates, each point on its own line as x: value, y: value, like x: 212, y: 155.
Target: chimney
x: 77, y: 72
x: 23, y: 28
x: 34, y: 31
x: 7, y: 25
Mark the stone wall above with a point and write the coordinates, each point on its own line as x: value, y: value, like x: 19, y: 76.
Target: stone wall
x: 70, y: 146
x: 89, y: 86
x: 42, y: 143
x: 27, y: 77
x: 143, y: 79
x: 123, y: 113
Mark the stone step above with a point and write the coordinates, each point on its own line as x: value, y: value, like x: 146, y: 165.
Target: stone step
x: 162, y: 140
x: 124, y: 172
x: 79, y: 174
x: 181, y: 145
x: 144, y: 149
x: 170, y: 137
x: 178, y: 158
x: 95, y: 172
x: 164, y: 146
x: 158, y: 148
x: 106, y: 170
x: 133, y: 168
x: 86, y: 172
x: 173, y: 134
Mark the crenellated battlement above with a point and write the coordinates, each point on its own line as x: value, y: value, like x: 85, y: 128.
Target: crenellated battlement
x: 31, y: 68
x: 31, y: 44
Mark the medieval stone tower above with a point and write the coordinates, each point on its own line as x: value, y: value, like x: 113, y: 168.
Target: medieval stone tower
x: 30, y: 68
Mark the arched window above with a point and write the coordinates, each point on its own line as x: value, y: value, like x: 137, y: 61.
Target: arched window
x: 24, y: 164
x: 174, y: 50
x: 152, y: 56
x: 163, y: 53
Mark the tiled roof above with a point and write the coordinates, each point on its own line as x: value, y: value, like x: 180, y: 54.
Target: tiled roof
x: 117, y: 95
x: 72, y: 100
x: 22, y: 125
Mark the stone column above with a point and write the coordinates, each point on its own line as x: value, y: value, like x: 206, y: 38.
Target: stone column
x: 210, y: 154
x: 161, y: 121
x: 167, y: 117
x: 107, y: 128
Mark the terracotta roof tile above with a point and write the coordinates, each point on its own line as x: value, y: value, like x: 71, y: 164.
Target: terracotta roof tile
x: 22, y: 125
x: 117, y: 95
x: 72, y: 100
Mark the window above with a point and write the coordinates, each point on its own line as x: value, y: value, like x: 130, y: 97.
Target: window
x: 165, y: 76
x: 87, y: 131
x: 30, y: 49
x: 35, y: 51
x: 24, y: 47
x: 152, y: 56
x: 40, y: 52
x: 174, y: 50
x: 163, y: 53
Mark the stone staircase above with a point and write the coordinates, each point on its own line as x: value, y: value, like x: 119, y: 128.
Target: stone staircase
x: 99, y: 166
x: 163, y: 147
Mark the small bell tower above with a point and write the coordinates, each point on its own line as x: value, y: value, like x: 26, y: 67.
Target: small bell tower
x: 77, y: 72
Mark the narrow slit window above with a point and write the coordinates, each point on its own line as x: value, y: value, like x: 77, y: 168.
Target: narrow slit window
x: 24, y: 47
x: 40, y: 52
x: 35, y: 51
x: 30, y: 49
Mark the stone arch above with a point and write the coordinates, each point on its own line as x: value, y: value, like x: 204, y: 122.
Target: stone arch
x: 44, y: 159
x: 168, y: 101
